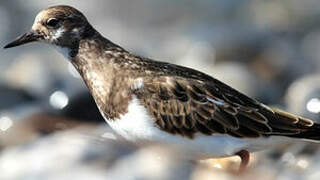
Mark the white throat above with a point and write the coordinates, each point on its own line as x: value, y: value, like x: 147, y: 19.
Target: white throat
x: 64, y: 51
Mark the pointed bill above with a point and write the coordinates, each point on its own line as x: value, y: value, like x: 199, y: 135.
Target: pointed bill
x: 23, y: 39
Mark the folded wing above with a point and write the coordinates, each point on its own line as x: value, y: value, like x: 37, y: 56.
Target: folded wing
x: 186, y: 107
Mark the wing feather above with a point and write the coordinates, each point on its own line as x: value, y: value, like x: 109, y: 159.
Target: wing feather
x: 187, y: 106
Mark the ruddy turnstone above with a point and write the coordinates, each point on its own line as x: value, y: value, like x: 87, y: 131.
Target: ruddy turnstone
x: 144, y: 99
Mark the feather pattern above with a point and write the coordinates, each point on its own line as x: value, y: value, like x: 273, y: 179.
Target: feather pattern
x: 187, y: 105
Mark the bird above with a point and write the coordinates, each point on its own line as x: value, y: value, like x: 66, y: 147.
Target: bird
x: 147, y: 100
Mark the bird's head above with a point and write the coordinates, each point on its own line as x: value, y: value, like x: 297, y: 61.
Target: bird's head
x: 62, y: 26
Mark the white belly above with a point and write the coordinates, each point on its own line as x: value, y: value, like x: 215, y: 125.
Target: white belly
x: 138, y: 125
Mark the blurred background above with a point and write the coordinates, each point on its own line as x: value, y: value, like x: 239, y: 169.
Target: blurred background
x: 50, y: 127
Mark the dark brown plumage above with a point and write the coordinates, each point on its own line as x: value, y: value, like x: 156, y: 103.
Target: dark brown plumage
x: 193, y: 102
x: 184, y: 101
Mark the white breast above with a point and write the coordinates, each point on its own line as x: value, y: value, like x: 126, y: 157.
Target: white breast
x: 138, y: 125
x: 134, y: 125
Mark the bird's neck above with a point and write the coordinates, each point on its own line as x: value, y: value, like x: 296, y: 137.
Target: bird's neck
x: 95, y: 60
x: 91, y: 55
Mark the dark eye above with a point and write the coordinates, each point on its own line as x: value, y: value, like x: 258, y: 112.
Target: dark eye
x: 52, y: 22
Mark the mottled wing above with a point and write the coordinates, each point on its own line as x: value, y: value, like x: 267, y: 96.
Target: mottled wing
x: 187, y: 106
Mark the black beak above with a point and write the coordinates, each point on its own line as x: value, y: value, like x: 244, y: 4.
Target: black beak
x: 23, y: 39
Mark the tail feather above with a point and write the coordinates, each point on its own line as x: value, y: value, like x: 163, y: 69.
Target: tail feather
x: 304, y: 128
x: 312, y: 133
x: 288, y: 118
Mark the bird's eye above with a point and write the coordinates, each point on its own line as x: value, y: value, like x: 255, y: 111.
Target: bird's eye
x: 52, y: 22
